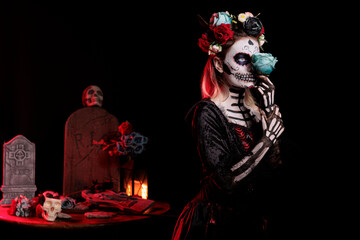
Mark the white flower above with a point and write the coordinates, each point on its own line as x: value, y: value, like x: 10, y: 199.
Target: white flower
x: 249, y: 14
x: 261, y: 39
x: 214, y: 49
x: 242, y: 17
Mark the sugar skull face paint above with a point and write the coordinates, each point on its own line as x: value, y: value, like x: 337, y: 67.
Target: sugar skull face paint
x: 237, y: 63
x: 242, y: 59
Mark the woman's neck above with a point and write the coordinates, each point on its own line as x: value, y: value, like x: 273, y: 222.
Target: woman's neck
x: 231, y: 102
x: 225, y: 92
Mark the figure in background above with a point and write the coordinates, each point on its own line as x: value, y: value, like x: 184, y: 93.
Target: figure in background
x: 84, y: 161
x: 92, y: 96
x: 236, y: 127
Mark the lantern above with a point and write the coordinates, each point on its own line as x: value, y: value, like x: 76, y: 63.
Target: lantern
x: 135, y: 182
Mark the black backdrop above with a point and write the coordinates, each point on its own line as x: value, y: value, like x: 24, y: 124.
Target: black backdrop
x: 146, y: 60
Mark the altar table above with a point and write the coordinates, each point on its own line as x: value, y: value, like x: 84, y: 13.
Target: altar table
x: 79, y: 220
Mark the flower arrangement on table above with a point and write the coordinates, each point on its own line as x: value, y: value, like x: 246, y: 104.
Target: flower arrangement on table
x: 21, y: 206
x: 126, y: 143
x: 49, y: 204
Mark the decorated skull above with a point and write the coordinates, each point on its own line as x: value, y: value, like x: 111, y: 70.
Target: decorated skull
x: 51, y: 208
x: 92, y: 96
x: 237, y: 63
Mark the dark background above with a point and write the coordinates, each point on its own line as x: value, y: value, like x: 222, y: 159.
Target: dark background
x: 146, y: 60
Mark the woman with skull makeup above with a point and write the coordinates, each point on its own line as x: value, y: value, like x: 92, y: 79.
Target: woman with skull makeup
x: 236, y: 135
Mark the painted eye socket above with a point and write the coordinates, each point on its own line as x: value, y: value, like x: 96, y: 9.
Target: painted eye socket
x: 242, y: 59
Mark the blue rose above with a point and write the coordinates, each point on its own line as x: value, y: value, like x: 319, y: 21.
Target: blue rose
x: 68, y: 203
x: 139, y: 149
x: 220, y: 18
x: 132, y: 143
x: 263, y: 63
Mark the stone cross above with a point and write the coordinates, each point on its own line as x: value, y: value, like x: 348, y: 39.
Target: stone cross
x: 18, y: 169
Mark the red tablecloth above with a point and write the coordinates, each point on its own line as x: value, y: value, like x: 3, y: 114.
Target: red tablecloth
x: 78, y: 220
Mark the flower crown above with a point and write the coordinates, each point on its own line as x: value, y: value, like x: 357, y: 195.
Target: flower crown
x: 222, y: 27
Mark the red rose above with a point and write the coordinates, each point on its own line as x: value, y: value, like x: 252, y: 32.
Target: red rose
x: 12, y: 208
x: 125, y: 128
x: 38, y: 210
x: 262, y: 32
x: 204, y: 43
x: 223, y: 33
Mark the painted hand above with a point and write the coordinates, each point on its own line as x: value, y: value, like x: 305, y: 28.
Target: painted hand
x: 273, y: 125
x: 272, y: 129
x: 267, y: 91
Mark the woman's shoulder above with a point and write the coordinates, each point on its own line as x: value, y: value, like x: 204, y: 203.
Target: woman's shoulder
x: 204, y: 106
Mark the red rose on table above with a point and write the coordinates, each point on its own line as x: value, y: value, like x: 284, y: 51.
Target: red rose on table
x: 38, y: 210
x: 223, y: 33
x: 125, y: 128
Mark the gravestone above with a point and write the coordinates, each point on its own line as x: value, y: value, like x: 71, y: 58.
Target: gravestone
x: 18, y: 169
x: 84, y: 161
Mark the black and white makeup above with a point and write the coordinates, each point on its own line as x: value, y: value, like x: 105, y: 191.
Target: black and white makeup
x: 237, y: 65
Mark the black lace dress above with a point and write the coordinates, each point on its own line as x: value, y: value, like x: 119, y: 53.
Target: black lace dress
x: 222, y: 209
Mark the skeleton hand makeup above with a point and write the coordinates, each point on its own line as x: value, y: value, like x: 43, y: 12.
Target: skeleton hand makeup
x: 267, y: 90
x: 92, y: 96
x: 272, y: 128
x: 237, y: 63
